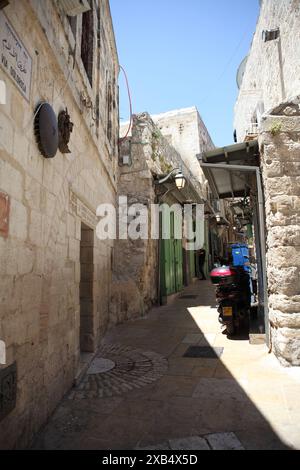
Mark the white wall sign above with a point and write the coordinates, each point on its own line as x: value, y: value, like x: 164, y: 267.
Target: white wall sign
x: 2, y: 92
x: 2, y: 352
x: 14, y: 58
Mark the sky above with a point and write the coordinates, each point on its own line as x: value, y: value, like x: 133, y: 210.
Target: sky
x: 182, y: 53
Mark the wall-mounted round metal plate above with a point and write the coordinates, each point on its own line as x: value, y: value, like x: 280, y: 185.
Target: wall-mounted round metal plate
x: 46, y: 130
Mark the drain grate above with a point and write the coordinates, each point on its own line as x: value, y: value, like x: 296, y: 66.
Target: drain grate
x: 203, y: 351
x: 188, y: 296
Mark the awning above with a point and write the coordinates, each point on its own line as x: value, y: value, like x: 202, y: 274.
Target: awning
x: 232, y: 172
x: 236, y: 181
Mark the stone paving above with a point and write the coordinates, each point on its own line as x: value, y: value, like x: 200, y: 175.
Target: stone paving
x: 218, y: 441
x: 131, y: 368
x: 151, y: 397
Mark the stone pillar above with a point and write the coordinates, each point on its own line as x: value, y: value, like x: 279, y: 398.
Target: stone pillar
x: 280, y: 159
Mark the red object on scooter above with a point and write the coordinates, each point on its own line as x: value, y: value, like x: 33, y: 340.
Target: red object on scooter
x: 223, y: 275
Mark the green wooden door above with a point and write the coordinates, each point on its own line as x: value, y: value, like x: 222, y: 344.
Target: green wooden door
x: 191, y: 254
x: 167, y: 276
x: 171, y: 259
x: 178, y: 255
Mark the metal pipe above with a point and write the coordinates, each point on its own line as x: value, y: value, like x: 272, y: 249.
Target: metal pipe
x: 226, y: 166
x: 262, y: 233
x: 163, y: 180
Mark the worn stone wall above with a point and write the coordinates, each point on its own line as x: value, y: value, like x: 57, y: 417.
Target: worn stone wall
x: 271, y: 81
x: 136, y: 263
x: 187, y: 133
x: 49, y: 198
x: 272, y: 73
x: 280, y: 153
x: 134, y: 287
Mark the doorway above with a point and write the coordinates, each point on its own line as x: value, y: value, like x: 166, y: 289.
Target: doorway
x: 86, y: 329
x: 171, y: 254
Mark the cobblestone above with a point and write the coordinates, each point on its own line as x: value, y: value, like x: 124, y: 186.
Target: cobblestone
x: 237, y: 400
x: 218, y: 441
x: 134, y: 368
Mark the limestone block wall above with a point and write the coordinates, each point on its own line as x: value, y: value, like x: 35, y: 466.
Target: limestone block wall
x: 136, y: 264
x: 187, y: 133
x: 280, y: 153
x: 135, y: 261
x: 272, y: 73
x: 40, y: 268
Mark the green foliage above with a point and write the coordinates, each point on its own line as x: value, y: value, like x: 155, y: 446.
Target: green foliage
x: 156, y: 152
x: 154, y: 145
x: 165, y: 167
x: 275, y: 128
x: 156, y: 134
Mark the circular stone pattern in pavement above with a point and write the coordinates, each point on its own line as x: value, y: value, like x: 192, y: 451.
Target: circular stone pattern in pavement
x: 133, y: 368
x: 100, y: 365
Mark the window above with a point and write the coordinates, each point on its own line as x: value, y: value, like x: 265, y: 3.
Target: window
x: 87, y: 42
x: 109, y: 112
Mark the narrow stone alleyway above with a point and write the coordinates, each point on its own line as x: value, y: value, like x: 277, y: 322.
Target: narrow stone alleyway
x: 146, y: 394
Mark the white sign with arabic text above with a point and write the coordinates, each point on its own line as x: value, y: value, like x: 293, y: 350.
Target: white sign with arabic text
x: 14, y: 58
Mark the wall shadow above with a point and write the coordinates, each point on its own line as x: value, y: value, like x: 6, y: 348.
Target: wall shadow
x: 188, y: 398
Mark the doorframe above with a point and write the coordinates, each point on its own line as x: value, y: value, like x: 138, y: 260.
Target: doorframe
x: 91, y: 245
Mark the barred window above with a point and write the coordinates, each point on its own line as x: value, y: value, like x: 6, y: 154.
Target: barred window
x: 109, y: 111
x: 87, y: 42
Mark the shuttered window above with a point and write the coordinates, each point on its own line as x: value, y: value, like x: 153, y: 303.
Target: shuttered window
x: 87, y: 42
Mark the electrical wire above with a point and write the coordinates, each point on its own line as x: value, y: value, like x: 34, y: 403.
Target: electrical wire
x: 34, y: 116
x: 130, y: 105
x: 227, y: 64
x: 232, y: 56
